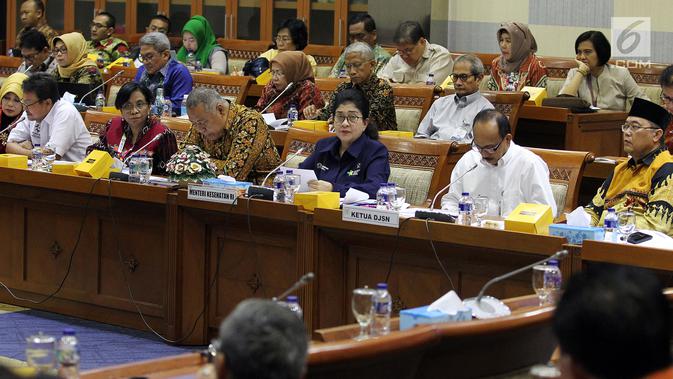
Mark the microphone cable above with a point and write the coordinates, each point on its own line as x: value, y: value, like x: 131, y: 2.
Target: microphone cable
x: 397, y: 247
x: 258, y: 272
x: 128, y: 284
x: 70, y: 260
x: 434, y: 250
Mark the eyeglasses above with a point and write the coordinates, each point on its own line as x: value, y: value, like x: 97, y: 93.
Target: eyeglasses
x: 128, y: 107
x: 153, y: 28
x: 352, y: 118
x: 406, y: 51
x: 487, y: 149
x: 634, y: 128
x: 355, y: 65
x: 357, y: 36
x: 666, y: 99
x: 23, y: 102
x: 283, y: 38
x: 97, y: 25
x: 277, y: 73
x: 57, y: 51
x: 462, y: 77
x: 146, y: 57
x: 29, y: 57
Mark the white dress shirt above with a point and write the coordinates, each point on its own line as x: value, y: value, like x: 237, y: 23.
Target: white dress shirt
x: 519, y: 177
x: 435, y: 60
x: 450, y: 117
x: 62, y: 131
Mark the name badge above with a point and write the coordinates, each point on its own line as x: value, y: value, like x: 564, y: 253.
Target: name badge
x: 211, y: 193
x: 372, y: 216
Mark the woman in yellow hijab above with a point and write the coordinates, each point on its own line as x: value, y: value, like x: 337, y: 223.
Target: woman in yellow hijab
x: 11, y: 109
x: 74, y: 66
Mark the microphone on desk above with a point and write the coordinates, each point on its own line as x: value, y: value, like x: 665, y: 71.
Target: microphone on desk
x: 289, y: 85
x: 155, y: 138
x: 486, y: 305
x: 97, y: 88
x: 304, y: 280
x: 439, y: 216
x: 12, y: 125
x: 263, y: 192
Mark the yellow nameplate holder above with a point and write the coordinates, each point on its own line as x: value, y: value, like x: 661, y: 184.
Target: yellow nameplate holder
x: 13, y: 161
x: 96, y: 165
x: 317, y: 199
x: 537, y: 94
x: 530, y: 218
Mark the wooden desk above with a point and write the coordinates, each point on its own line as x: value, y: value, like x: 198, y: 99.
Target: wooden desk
x: 355, y: 255
x: 558, y: 128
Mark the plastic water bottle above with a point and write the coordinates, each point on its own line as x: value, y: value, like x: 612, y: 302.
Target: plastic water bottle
x: 279, y: 187
x: 292, y: 184
x: 292, y: 115
x: 293, y: 304
x: 183, y: 105
x: 610, y: 225
x: 465, y: 209
x: 100, y: 101
x: 382, y: 196
x: 38, y: 158
x: 198, y: 66
x: 553, y: 280
x: 100, y: 60
x: 383, y: 307
x: 342, y: 73
x: 392, y: 196
x: 167, y: 110
x: 67, y: 355
x: 158, y: 107
x: 430, y: 81
x: 191, y: 60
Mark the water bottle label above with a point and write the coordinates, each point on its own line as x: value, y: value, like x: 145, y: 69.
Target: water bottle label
x: 611, y: 224
x: 465, y: 207
x: 382, y: 307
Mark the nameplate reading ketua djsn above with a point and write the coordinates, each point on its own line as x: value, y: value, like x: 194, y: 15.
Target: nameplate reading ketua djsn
x: 370, y: 216
x: 212, y: 193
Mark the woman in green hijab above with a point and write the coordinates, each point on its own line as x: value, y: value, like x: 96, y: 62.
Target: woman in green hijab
x: 199, y: 39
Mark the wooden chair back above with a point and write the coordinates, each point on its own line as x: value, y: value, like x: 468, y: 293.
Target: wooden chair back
x: 113, y: 87
x: 240, y: 51
x: 412, y: 102
x: 8, y: 65
x: 233, y: 88
x: 325, y: 57
x: 327, y: 86
x: 509, y: 103
x: 299, y: 138
x: 566, y: 169
x: 416, y: 165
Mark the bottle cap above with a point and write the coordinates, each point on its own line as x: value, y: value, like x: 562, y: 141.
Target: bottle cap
x: 611, y: 209
x: 68, y: 332
x: 292, y: 299
x: 553, y: 262
x: 382, y: 286
x: 466, y: 194
x: 383, y: 184
x: 289, y: 172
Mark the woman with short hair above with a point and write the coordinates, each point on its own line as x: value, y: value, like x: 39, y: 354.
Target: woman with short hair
x: 291, y: 35
x: 603, y: 85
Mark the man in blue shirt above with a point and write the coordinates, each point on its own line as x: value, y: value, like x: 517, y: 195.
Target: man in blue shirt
x: 160, y: 70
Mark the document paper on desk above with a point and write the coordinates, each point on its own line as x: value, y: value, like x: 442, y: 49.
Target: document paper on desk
x: 305, y: 175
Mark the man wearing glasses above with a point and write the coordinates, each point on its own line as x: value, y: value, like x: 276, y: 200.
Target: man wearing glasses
x: 160, y: 70
x: 450, y: 117
x: 36, y: 54
x: 644, y: 183
x: 497, y: 168
x: 416, y: 58
x: 102, y: 42
x: 51, y: 122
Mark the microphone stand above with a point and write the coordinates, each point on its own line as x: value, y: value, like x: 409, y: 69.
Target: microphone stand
x: 265, y: 193
x: 289, y: 85
x: 143, y: 147
x: 99, y: 86
x: 304, y: 280
x: 439, y: 216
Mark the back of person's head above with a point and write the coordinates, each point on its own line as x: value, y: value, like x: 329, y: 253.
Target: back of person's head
x: 43, y: 85
x: 357, y: 98
x: 111, y: 20
x: 33, y: 39
x: 408, y: 32
x: 601, y: 45
x: 614, y: 322
x: 364, y: 50
x: 364, y: 18
x: 207, y: 97
x: 666, y: 77
x: 501, y: 120
x: 298, y: 32
x: 261, y: 339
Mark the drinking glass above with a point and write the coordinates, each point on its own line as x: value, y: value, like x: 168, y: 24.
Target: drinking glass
x: 40, y: 352
x: 363, y: 310
x: 480, y: 208
x: 626, y: 222
x: 541, y: 289
x: 400, y: 199
x: 140, y: 169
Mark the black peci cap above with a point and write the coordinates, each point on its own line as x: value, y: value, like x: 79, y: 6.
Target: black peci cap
x: 650, y: 112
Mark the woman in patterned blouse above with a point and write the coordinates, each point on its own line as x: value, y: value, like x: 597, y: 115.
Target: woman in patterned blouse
x: 136, y: 129
x: 290, y: 67
x: 517, y: 66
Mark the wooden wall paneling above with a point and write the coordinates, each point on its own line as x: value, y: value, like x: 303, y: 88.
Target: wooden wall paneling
x: 197, y: 8
x: 69, y: 16
x: 12, y: 9
x: 306, y: 262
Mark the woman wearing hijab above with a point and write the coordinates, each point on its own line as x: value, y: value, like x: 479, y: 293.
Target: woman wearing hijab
x: 70, y: 52
x: 199, y: 39
x: 11, y: 109
x: 290, y: 67
x: 517, y: 66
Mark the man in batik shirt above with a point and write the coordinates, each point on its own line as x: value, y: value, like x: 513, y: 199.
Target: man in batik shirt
x: 644, y: 183
x: 102, y: 43
x: 236, y: 137
x: 33, y: 17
